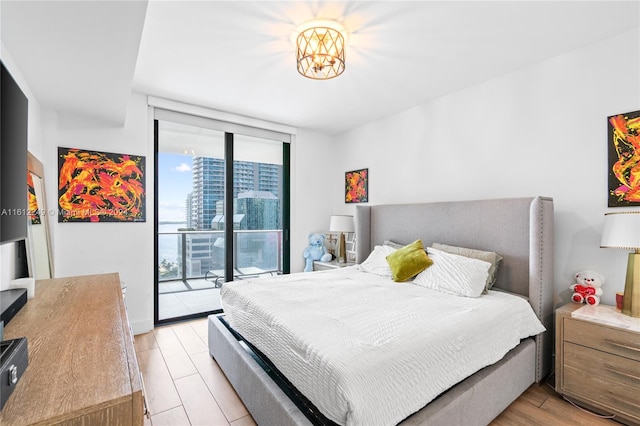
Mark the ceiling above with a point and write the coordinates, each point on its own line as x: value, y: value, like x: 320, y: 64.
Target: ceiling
x: 85, y: 57
x: 78, y: 57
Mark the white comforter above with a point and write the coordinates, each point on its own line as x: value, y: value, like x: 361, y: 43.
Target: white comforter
x: 366, y: 350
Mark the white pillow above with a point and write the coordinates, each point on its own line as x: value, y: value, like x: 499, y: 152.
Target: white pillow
x: 377, y: 263
x: 454, y: 274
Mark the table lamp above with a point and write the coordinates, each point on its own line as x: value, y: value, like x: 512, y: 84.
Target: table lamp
x: 622, y: 230
x: 341, y: 224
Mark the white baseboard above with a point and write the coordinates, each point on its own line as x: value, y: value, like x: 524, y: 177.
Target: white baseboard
x: 141, y: 327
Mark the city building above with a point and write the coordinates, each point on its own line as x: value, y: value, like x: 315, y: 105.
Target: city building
x: 208, y: 186
x: 254, y: 209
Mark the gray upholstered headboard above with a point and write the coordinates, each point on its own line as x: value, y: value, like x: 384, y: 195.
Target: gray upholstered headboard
x: 519, y: 229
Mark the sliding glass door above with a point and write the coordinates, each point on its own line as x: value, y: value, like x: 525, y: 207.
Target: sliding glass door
x: 222, y: 214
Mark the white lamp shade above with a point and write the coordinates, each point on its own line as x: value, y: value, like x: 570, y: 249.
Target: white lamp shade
x: 341, y: 223
x: 621, y: 230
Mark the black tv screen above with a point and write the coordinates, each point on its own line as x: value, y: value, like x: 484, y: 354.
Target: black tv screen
x: 14, y: 111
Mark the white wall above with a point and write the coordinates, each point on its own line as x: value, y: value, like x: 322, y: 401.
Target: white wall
x: 92, y: 248
x: 539, y: 131
x: 313, y: 165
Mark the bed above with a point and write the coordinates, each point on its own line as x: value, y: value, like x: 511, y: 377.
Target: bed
x: 519, y: 229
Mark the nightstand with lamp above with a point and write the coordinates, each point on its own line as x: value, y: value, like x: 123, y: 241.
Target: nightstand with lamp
x: 339, y: 224
x: 597, y: 347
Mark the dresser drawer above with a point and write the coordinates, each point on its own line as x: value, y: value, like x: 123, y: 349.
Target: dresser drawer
x: 605, y: 379
x: 608, y: 339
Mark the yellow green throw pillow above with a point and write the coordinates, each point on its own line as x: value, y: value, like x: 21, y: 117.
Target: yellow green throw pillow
x: 408, y: 261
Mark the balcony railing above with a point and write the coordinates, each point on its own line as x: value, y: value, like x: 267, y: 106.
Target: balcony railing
x: 184, y: 255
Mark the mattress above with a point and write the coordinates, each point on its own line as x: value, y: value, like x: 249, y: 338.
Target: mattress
x: 366, y: 350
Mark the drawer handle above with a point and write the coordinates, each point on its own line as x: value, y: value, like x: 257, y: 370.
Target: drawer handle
x: 622, y: 373
x: 622, y: 345
x: 624, y: 400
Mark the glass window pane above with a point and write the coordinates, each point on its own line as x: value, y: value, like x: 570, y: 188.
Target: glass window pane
x: 258, y: 175
x: 191, y: 215
x: 190, y: 190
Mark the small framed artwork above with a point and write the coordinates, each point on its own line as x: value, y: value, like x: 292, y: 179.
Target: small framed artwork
x: 624, y: 159
x: 100, y: 186
x: 356, y: 186
x: 351, y: 246
x: 331, y: 242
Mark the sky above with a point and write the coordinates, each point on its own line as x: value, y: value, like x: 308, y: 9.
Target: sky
x: 174, y: 183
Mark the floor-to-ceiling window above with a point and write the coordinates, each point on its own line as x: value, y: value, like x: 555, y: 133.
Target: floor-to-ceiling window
x: 222, y: 210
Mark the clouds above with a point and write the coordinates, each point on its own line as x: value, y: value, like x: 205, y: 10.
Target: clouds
x: 172, y: 211
x: 174, y: 184
x: 182, y: 168
x: 172, y: 206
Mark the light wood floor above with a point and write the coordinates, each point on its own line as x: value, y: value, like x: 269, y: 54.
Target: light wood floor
x: 184, y: 386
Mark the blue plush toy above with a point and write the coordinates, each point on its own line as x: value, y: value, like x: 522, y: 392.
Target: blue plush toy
x: 315, y: 251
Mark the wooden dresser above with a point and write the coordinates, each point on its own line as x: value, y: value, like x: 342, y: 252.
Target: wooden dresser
x: 82, y: 365
x: 598, y: 360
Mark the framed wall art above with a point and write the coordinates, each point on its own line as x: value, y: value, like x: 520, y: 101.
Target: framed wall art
x: 32, y: 201
x: 356, y: 186
x: 100, y: 186
x: 624, y: 159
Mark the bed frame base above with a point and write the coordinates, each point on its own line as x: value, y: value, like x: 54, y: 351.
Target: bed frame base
x: 266, y: 402
x: 482, y: 397
x: 520, y: 229
x: 474, y: 401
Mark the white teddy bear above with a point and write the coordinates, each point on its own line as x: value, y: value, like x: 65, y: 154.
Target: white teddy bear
x: 587, y: 288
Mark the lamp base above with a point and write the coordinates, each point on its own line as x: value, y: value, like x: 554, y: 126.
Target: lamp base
x: 631, y: 304
x: 342, y: 249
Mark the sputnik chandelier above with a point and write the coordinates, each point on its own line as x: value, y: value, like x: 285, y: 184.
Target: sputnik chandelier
x: 320, y: 49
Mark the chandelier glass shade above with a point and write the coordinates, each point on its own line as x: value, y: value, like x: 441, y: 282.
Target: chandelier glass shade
x: 320, y: 52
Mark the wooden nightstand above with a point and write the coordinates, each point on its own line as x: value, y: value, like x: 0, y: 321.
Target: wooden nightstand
x: 598, y: 359
x: 323, y: 266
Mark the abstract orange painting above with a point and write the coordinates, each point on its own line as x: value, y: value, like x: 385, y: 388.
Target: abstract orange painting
x: 624, y: 159
x: 100, y: 186
x: 356, y: 186
x: 34, y: 213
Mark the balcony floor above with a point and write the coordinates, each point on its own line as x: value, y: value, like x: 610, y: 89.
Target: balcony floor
x: 176, y: 299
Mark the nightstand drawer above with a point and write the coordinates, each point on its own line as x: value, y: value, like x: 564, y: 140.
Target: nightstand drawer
x: 603, y: 378
x: 602, y: 366
x: 598, y: 363
x: 608, y: 339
